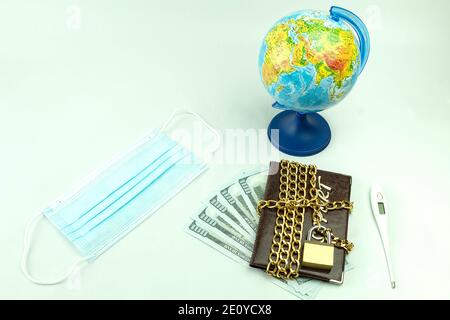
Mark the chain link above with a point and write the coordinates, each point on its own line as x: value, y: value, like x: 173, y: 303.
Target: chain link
x: 284, y: 257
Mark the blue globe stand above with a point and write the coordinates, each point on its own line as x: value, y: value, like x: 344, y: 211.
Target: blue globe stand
x: 299, y: 134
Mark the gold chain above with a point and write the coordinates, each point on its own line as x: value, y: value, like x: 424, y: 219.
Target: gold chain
x: 294, y: 265
x: 284, y: 257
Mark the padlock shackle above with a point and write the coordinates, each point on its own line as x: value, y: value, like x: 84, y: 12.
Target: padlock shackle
x: 316, y: 227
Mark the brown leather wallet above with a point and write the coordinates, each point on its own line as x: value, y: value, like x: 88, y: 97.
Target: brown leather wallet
x: 337, y: 219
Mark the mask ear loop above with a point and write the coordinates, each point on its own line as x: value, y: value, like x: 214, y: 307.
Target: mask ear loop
x: 28, y: 236
x: 178, y: 112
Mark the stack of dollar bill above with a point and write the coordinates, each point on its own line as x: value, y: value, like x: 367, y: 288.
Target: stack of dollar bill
x: 228, y: 223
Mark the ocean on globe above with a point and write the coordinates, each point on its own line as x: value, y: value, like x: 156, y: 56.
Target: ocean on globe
x: 309, y: 61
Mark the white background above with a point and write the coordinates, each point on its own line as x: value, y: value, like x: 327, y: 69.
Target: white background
x: 73, y: 92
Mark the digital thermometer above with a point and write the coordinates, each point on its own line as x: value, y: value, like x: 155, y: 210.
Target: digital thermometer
x: 380, y: 212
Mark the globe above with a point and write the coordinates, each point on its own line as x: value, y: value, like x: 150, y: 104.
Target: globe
x: 308, y: 62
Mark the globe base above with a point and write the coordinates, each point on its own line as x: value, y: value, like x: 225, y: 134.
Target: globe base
x: 299, y: 134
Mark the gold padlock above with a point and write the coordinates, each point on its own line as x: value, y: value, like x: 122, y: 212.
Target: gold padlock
x: 318, y: 255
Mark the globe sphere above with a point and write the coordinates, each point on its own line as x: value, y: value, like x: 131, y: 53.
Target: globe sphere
x: 309, y: 61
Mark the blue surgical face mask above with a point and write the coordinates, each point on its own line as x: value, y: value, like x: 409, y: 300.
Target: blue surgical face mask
x: 120, y: 197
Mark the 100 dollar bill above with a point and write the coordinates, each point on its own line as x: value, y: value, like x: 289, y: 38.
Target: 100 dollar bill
x: 253, y: 186
x: 224, y: 247
x: 223, y: 229
x: 235, y: 201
